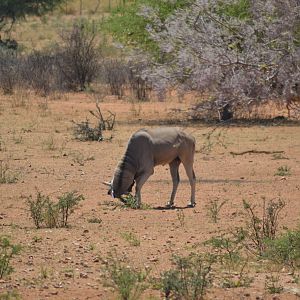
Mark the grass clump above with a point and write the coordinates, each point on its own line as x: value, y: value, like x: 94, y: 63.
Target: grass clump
x: 7, y: 252
x: 283, y: 171
x: 95, y: 220
x: 10, y: 295
x: 6, y: 175
x: 46, y: 213
x: 131, y: 238
x: 272, y: 285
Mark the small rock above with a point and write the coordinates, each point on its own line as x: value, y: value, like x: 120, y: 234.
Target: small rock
x: 54, y: 293
x: 83, y: 275
x: 153, y: 259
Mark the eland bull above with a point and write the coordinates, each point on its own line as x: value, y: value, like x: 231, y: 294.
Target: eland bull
x: 148, y: 148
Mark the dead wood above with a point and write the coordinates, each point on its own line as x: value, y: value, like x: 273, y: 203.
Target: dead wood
x: 255, y: 152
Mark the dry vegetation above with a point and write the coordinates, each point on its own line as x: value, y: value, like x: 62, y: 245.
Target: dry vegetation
x: 39, y: 33
x: 88, y: 258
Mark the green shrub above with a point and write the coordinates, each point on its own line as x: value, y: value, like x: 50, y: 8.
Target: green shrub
x: 285, y: 249
x: 189, y: 278
x: 46, y: 213
x: 10, y: 295
x: 7, y: 251
x: 214, y: 207
x: 127, y: 281
x: 6, y: 175
x: 283, y: 171
x: 37, y: 208
x: 131, y: 238
x: 66, y: 205
x: 262, y: 228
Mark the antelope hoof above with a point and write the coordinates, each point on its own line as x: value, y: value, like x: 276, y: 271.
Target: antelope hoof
x: 170, y: 205
x: 191, y: 204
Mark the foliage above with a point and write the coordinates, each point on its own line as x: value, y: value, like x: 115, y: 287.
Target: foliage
x: 13, y: 10
x: 214, y: 209
x: 131, y: 238
x: 128, y: 24
x: 66, y: 205
x: 39, y: 71
x: 285, y: 249
x: 129, y: 201
x: 283, y: 171
x: 9, y: 71
x: 127, y: 281
x: 10, y: 295
x: 260, y: 229
x: 229, y: 251
x: 272, y: 284
x: 189, y: 278
x: 37, y: 208
x: 7, y: 251
x: 241, y: 52
x: 47, y: 213
x: 6, y: 175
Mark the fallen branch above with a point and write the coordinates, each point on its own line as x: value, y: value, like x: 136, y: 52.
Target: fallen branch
x: 256, y: 152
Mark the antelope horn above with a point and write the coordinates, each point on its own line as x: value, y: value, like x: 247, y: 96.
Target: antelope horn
x: 106, y: 183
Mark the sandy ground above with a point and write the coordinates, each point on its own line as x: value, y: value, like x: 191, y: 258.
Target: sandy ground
x: 38, y: 146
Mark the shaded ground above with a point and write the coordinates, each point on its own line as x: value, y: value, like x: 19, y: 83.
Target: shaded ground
x: 38, y: 147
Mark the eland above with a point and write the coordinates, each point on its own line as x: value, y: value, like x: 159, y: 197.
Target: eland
x: 148, y: 148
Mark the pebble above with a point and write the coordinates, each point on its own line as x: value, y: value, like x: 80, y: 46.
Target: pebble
x: 83, y: 275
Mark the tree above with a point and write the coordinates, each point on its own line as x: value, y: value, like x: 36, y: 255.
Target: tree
x: 13, y: 10
x: 128, y: 23
x: 242, y: 52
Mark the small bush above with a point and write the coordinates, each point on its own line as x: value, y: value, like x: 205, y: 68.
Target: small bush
x: 78, y: 58
x: 84, y: 132
x: 116, y: 76
x: 214, y: 208
x: 189, y: 279
x: 285, y: 249
x: 127, y: 281
x: 46, y: 213
x: 66, y: 205
x: 9, y: 71
x: 229, y: 251
x: 7, y: 251
x: 39, y: 72
x: 260, y: 229
x: 272, y: 285
x: 139, y: 84
x: 37, y: 208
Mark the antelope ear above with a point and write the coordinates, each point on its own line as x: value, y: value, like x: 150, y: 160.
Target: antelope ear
x: 106, y: 183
